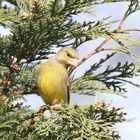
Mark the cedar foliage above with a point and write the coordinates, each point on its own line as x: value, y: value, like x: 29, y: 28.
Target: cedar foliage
x: 49, y: 25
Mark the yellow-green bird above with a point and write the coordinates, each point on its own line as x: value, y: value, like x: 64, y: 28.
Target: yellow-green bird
x: 53, y: 78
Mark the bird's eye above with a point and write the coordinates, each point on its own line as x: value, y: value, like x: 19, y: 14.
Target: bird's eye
x: 68, y: 55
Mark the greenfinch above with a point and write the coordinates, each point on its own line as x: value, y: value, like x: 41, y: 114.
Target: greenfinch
x: 53, y: 78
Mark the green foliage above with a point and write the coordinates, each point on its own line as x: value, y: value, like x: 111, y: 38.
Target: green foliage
x: 81, y: 123
x: 40, y: 27
x: 47, y: 28
x: 134, y: 6
x: 4, y: 56
x: 7, y: 16
x: 51, y: 25
x: 111, y: 77
x: 68, y: 122
x: 24, y: 5
x: 14, y: 120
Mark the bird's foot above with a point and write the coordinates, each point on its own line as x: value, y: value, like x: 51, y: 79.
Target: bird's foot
x: 55, y: 106
x: 42, y: 109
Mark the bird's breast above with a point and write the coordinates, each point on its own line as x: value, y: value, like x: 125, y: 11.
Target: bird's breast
x: 52, y: 83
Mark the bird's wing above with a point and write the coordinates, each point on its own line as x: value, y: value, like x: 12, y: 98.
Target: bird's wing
x: 68, y: 93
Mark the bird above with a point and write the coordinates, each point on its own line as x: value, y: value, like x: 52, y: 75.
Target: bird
x: 53, y: 78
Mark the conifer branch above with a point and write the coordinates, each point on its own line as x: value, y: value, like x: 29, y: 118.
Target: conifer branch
x: 51, y: 25
x: 90, y: 54
x: 134, y: 6
x: 129, y: 82
x: 129, y: 29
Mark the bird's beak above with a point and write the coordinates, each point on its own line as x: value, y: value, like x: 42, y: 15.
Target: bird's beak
x: 73, y: 62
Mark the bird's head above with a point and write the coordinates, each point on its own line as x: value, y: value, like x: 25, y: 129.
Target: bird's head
x: 67, y: 57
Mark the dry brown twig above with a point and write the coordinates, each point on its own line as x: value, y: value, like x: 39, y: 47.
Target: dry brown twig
x: 90, y: 54
x: 37, y: 114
